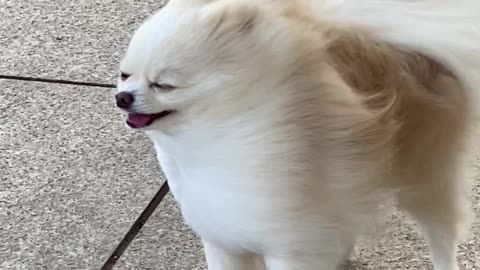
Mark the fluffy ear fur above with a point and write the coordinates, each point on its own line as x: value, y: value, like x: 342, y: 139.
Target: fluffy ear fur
x: 231, y: 17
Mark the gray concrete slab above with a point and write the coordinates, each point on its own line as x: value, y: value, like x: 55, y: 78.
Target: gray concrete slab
x: 73, y: 180
x: 80, y: 40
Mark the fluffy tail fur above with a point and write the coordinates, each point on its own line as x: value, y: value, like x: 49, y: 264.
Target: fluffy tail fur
x: 446, y: 30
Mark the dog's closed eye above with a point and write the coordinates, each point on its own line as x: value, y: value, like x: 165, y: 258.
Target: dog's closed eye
x: 124, y: 76
x: 163, y: 86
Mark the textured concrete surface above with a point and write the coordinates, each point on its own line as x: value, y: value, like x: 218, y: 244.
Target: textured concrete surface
x: 72, y: 182
x: 73, y: 179
x: 80, y: 40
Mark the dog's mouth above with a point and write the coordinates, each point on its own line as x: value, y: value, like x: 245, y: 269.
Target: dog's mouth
x: 138, y: 120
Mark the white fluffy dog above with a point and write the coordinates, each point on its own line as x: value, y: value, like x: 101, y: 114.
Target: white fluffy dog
x: 283, y: 126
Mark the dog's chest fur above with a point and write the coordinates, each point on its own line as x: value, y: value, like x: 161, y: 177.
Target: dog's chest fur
x: 220, y: 186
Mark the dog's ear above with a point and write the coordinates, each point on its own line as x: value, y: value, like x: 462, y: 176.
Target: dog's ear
x: 231, y: 17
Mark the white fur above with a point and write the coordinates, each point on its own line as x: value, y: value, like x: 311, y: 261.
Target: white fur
x: 253, y: 183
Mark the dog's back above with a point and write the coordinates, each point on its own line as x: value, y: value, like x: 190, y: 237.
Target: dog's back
x: 426, y: 89
x: 418, y: 81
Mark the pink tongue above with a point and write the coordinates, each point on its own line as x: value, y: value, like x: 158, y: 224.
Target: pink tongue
x: 140, y: 120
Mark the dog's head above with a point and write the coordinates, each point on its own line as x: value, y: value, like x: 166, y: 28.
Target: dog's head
x: 197, y: 59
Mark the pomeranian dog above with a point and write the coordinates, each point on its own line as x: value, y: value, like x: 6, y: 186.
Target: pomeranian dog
x: 283, y: 126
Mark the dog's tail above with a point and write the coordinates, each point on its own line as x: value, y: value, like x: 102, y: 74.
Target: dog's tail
x: 446, y: 30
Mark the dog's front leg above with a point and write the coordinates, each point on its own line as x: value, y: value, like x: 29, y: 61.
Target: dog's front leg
x: 221, y: 259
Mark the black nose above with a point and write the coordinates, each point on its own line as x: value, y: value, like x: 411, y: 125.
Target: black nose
x: 124, y: 100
